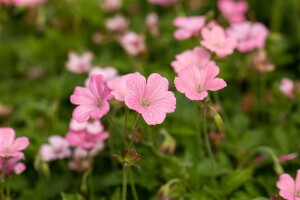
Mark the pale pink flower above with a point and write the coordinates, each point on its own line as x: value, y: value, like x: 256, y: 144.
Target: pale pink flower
x: 111, y: 5
x: 233, y: 10
x: 119, y: 86
x: 216, y: 40
x: 133, y: 43
x: 249, y: 35
x: 91, y: 126
x: 289, y: 188
x: 22, y: 3
x: 287, y: 157
x: 80, y: 160
x: 152, y: 23
x: 11, y: 146
x: 58, y: 148
x: 108, y: 73
x: 85, y: 139
x: 91, y: 101
x: 79, y: 64
x: 117, y: 23
x: 197, y: 56
x: 163, y: 2
x: 12, y: 165
x: 195, y: 82
x: 150, y: 98
x: 287, y: 87
x: 188, y: 27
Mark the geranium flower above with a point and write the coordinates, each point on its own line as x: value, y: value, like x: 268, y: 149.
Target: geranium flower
x: 289, y: 188
x: 79, y: 64
x: 197, y: 56
x: 133, y: 43
x: 58, y: 148
x: 249, y: 35
x: 195, y: 82
x: 216, y: 41
x: 11, y: 146
x: 84, y: 139
x: 287, y: 87
x: 188, y: 26
x: 234, y: 11
x: 119, y: 87
x: 91, y: 101
x: 12, y: 165
x: 150, y: 98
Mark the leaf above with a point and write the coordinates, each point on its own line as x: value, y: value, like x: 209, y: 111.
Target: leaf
x: 116, y: 195
x: 71, y: 196
x: 235, y: 179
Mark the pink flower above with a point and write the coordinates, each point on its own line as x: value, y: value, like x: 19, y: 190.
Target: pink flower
x: 216, y: 41
x: 92, y: 127
x: 119, y: 86
x: 289, y: 188
x: 111, y: 5
x: 85, y: 139
x: 79, y: 64
x: 234, y: 11
x: 197, y: 56
x: 58, y: 148
x: 108, y: 73
x: 163, y: 2
x: 132, y: 43
x: 249, y: 36
x: 22, y: 3
x: 287, y: 87
x: 152, y: 23
x: 9, y: 146
x: 188, y: 27
x: 12, y: 165
x: 150, y: 98
x: 194, y: 82
x: 117, y: 23
x: 91, y: 101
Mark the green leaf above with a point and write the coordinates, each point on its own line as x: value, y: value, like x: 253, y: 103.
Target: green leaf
x: 116, y: 195
x: 71, y: 196
x: 236, y: 179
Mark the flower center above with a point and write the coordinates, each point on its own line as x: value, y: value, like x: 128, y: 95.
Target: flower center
x: 145, y: 103
x: 297, y: 193
x: 199, y: 88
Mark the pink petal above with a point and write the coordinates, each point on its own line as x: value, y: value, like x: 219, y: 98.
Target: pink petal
x: 7, y: 136
x: 216, y: 84
x: 82, y: 95
x: 20, y: 143
x: 99, y: 112
x: 155, y: 85
x: 82, y: 113
x: 96, y: 84
x: 136, y: 85
x: 286, y: 185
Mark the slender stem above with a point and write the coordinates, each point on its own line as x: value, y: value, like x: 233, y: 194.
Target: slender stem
x: 113, y: 123
x: 137, y: 119
x: 8, y: 187
x: 199, y: 138
x: 2, y: 176
x: 207, y: 143
x: 135, y: 195
x: 125, y: 173
x: 125, y: 126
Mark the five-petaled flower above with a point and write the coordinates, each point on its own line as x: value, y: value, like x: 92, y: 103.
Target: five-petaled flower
x: 150, y: 98
x: 91, y: 101
x: 194, y: 82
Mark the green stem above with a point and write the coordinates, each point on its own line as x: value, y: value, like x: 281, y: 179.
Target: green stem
x: 124, y: 191
x: 135, y: 195
x: 137, y: 119
x: 205, y: 133
x: 2, y: 176
x: 114, y: 125
x: 125, y: 126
